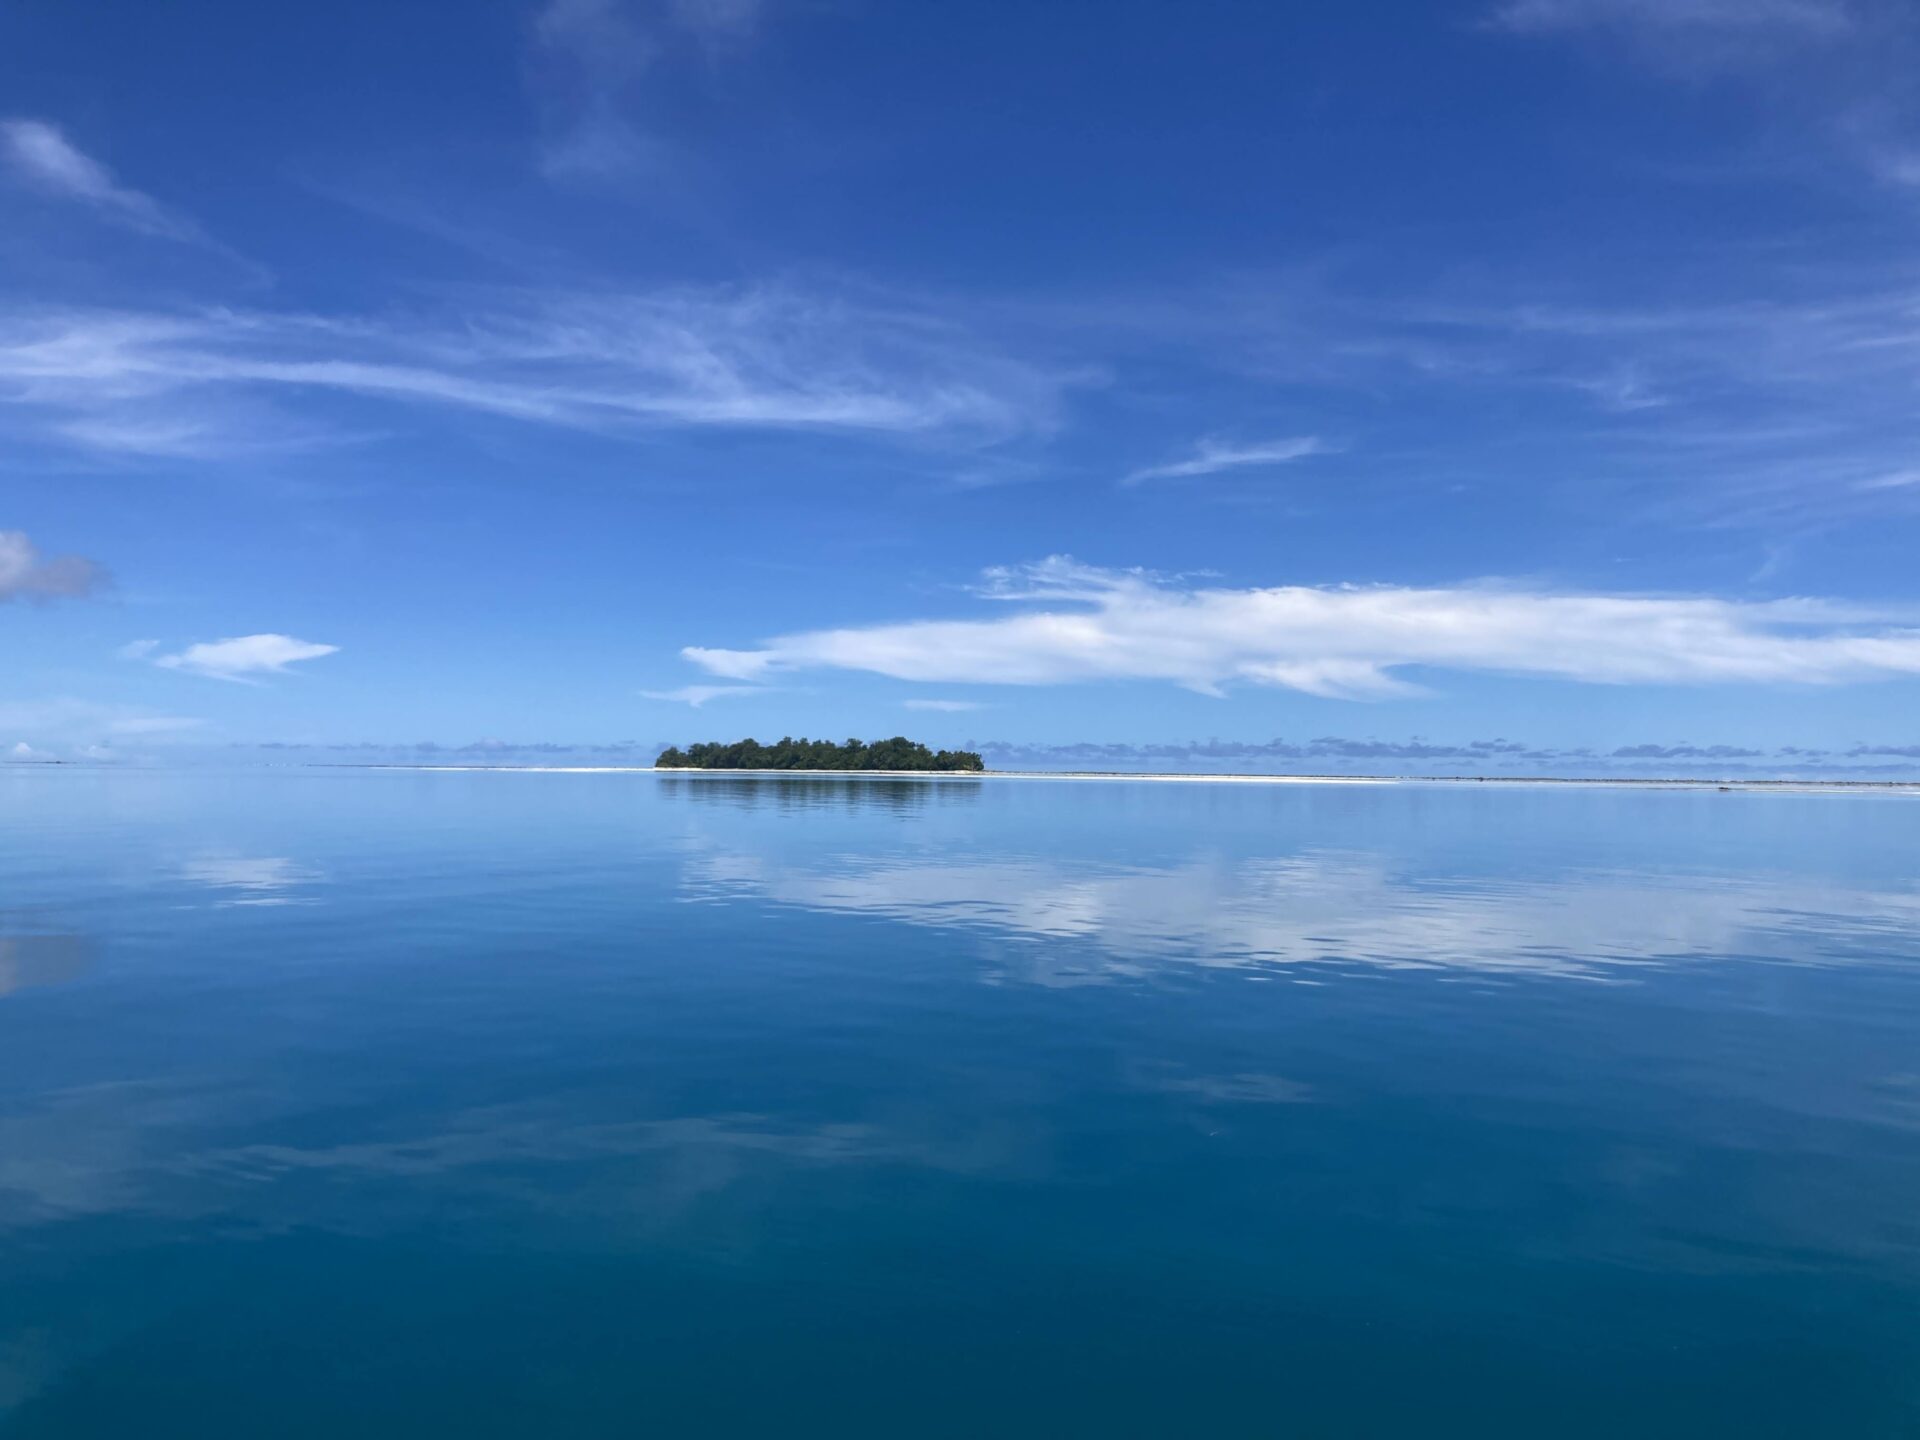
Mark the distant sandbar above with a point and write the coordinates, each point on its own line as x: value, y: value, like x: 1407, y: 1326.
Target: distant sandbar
x: 1810, y: 786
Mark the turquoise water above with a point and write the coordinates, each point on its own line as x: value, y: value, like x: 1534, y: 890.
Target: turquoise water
x: 394, y: 1104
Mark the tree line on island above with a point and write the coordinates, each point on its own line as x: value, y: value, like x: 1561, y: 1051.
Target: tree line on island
x: 899, y: 753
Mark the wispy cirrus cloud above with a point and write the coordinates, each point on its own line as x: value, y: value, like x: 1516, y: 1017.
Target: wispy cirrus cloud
x: 944, y: 707
x: 71, y: 720
x: 698, y: 695
x: 26, y: 574
x: 595, y: 53
x: 721, y: 19
x: 39, y: 153
x: 1846, y: 62
x: 1211, y: 456
x: 599, y: 66
x: 242, y: 657
x: 1080, y: 624
x: 1773, y: 391
x: 146, y: 382
x: 1793, y: 17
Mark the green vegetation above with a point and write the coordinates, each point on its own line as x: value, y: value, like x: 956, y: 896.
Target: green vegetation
x: 899, y: 753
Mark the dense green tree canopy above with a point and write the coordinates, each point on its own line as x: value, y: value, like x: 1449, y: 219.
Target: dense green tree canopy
x: 899, y: 753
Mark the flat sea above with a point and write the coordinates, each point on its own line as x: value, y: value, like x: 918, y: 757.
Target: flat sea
x: 387, y: 1103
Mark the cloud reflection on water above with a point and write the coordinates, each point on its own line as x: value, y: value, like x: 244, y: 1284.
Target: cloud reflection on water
x: 1101, y: 923
x: 147, y: 1147
x: 251, y: 880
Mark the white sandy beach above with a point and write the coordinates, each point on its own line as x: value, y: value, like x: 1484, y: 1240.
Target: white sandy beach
x: 1838, y: 787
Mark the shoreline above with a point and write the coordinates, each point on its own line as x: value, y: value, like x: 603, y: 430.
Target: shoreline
x: 1802, y: 786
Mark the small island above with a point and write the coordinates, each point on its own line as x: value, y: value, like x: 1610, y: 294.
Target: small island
x: 899, y: 753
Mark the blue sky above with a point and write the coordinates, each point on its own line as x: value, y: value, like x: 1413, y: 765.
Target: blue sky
x: 1516, y: 384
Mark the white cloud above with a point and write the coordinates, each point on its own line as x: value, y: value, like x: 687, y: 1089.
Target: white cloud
x: 41, y: 154
x: 729, y: 664
x: 698, y: 695
x: 944, y: 707
x: 24, y: 752
x: 244, y: 656
x: 1212, y: 456
x: 1347, y: 642
x: 193, y: 383
x: 26, y: 574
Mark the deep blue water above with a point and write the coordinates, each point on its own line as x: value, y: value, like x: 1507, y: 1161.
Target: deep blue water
x: 403, y: 1104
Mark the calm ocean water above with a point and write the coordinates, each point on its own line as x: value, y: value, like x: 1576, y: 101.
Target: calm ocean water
x: 403, y: 1104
